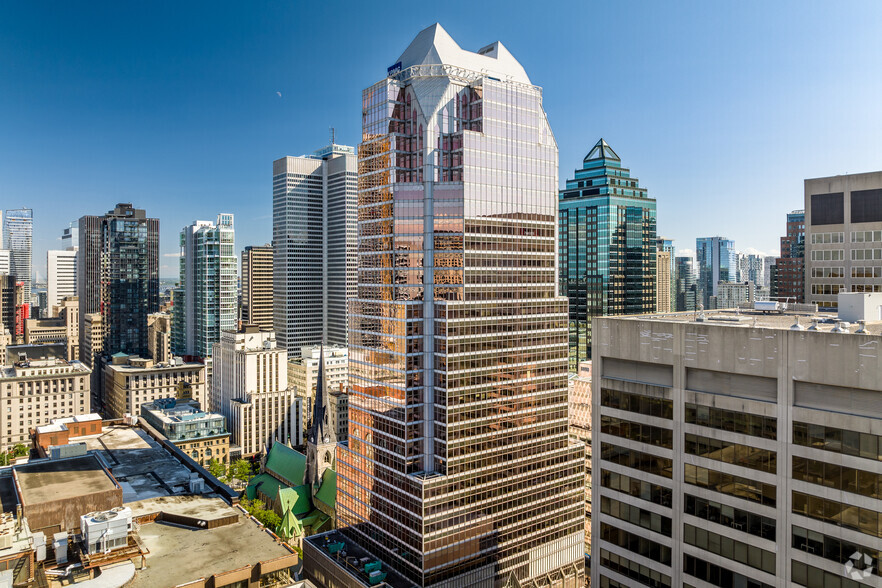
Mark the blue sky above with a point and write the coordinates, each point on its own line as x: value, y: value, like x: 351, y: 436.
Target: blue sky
x: 721, y: 109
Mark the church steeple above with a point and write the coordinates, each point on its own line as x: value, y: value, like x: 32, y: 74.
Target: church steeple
x: 321, y: 441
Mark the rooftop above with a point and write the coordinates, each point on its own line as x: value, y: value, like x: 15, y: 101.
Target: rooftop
x: 173, y: 410
x: 51, y: 480
x: 202, y: 507
x: 736, y: 318
x: 178, y: 554
x: 355, y: 558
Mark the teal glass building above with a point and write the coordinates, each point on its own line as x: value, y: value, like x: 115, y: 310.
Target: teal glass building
x: 607, y: 244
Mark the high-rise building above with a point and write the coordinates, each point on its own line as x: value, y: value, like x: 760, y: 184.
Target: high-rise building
x: 118, y: 276
x: 18, y: 232
x: 257, y: 286
x: 750, y: 268
x: 314, y: 240
x: 249, y: 386
x: 61, y: 266
x: 159, y: 330
x: 755, y: 468
x: 5, y: 262
x: 607, y: 246
x: 685, y: 286
x: 459, y: 470
x: 205, y: 301
x: 667, y: 245
x: 7, y: 307
x: 768, y: 262
x: 789, y: 282
x: 70, y: 237
x: 303, y: 373
x: 663, y: 281
x: 843, y: 236
x: 715, y: 258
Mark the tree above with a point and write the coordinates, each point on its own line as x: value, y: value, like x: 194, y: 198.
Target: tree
x: 269, y: 519
x: 241, y: 470
x: 217, y: 468
x: 19, y: 450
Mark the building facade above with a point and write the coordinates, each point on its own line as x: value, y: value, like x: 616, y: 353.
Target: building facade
x: 755, y: 469
x: 118, y: 275
x: 734, y: 294
x: 685, y: 286
x: 607, y: 246
x: 38, y: 391
x: 843, y: 237
x: 61, y: 274
x: 303, y: 374
x: 18, y: 233
x: 131, y: 381
x: 459, y: 470
x: 663, y: 281
x: 159, y: 330
x: 206, y: 300
x: 715, y: 261
x: 789, y: 282
x: 64, y: 328
x: 5, y: 261
x: 201, y: 435
x: 249, y: 387
x: 314, y: 240
x: 257, y: 286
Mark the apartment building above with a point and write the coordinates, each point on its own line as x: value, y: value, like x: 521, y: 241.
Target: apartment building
x: 130, y: 381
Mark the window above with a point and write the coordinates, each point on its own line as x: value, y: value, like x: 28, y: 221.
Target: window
x: 828, y: 209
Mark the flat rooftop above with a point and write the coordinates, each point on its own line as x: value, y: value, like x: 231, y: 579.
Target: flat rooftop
x: 143, y: 468
x: 749, y: 318
x: 355, y: 553
x: 50, y: 480
x: 201, y: 507
x: 178, y: 554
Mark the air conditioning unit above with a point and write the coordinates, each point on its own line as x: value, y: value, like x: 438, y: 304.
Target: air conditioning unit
x: 106, y: 530
x: 5, y: 540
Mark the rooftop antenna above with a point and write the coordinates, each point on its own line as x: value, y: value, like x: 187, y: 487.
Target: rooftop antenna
x: 333, y: 134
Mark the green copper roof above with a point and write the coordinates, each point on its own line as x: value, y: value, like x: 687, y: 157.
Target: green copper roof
x: 286, y: 463
x: 327, y: 493
x: 290, y: 526
x: 264, y: 483
x: 295, y: 500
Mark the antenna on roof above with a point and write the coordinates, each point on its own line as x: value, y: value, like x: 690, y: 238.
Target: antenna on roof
x: 333, y: 134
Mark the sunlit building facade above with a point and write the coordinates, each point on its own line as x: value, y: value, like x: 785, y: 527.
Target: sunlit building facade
x: 18, y: 233
x: 715, y: 258
x: 458, y: 470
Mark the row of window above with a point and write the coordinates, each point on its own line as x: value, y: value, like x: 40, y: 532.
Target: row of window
x: 764, y: 460
x: 637, y: 488
x: 828, y: 255
x: 836, y: 237
x: 733, y: 421
x: 837, y: 477
x: 865, y: 254
x: 829, y: 272
x: 729, y: 516
x: 648, y: 405
x: 632, y: 570
x: 866, y: 236
x: 805, y: 575
x: 836, y: 513
x: 838, y: 440
x: 745, y: 488
x: 636, y: 515
x: 645, y: 462
x: 649, y: 434
x: 866, y: 272
x: 834, y: 548
x: 716, y: 575
x: 729, y: 548
x: 827, y: 289
x: 635, y: 543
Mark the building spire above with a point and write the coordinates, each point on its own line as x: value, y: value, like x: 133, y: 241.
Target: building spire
x: 321, y: 433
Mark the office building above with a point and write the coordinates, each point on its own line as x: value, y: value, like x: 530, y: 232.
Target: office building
x: 201, y: 435
x: 205, y: 302
x: 663, y: 281
x: 789, y: 269
x: 338, y: 405
x: 691, y: 490
x: 18, y: 232
x: 61, y: 271
x: 685, y: 285
x: 607, y: 246
x: 118, y: 275
x: 91, y: 352
x: 38, y: 391
x: 5, y: 262
x: 750, y: 268
x: 257, y: 286
x: 667, y: 245
x: 843, y: 236
x: 64, y: 328
x: 8, y: 305
x: 131, y: 381
x: 249, y: 387
x: 715, y: 261
x: 303, y: 374
x: 459, y: 470
x: 159, y: 329
x: 734, y: 294
x: 314, y: 239
x: 580, y: 428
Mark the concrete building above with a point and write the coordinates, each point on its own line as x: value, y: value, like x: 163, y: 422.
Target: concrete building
x: 201, y: 435
x: 64, y: 328
x: 91, y: 352
x: 715, y: 263
x: 580, y: 428
x: 459, y: 470
x: 314, y: 236
x: 257, y: 286
x: 303, y: 374
x: 38, y: 391
x: 5, y: 261
x: 18, y: 232
x: 751, y: 468
x: 118, y: 276
x: 338, y: 406
x: 843, y: 236
x: 130, y: 381
x: 663, y: 281
x: 61, y: 278
x: 250, y: 389
x: 733, y: 294
x: 159, y: 330
x: 205, y: 302
x: 62, y: 431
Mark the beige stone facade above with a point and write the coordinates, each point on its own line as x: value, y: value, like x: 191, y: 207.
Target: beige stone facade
x: 130, y: 381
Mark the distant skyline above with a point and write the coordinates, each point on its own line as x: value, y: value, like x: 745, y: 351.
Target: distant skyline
x: 721, y: 109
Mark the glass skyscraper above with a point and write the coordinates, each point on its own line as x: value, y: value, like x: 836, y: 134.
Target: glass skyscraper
x: 715, y: 258
x: 685, y: 288
x: 18, y: 232
x: 458, y: 470
x: 607, y: 246
x: 205, y: 302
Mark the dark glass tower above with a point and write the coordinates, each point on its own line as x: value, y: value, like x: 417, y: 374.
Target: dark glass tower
x: 607, y: 246
x: 788, y: 283
x: 118, y: 276
x: 458, y: 470
x: 685, y: 288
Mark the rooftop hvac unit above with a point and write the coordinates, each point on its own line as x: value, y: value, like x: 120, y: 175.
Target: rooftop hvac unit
x: 40, y: 545
x: 197, y: 486
x: 59, y: 545
x: 5, y: 539
x: 107, y: 530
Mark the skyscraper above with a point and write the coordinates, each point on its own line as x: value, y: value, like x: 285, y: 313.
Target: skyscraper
x: 789, y: 283
x: 458, y: 470
x: 205, y: 301
x: 118, y: 277
x: 686, y: 289
x: 257, y: 286
x: 607, y: 246
x: 314, y: 240
x: 18, y: 231
x: 715, y: 257
x: 843, y: 237
x: 61, y: 270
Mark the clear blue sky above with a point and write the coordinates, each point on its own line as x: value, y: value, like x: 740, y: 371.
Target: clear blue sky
x: 721, y: 109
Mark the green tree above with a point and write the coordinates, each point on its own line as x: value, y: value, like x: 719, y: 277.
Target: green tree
x: 217, y: 468
x: 269, y: 519
x: 241, y: 470
x: 19, y: 450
